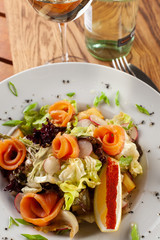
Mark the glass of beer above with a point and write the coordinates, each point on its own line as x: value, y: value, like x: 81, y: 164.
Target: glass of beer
x: 61, y: 11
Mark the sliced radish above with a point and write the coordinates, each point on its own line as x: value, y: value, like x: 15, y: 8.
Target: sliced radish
x: 97, y: 120
x: 17, y: 201
x: 51, y: 165
x: 84, y: 123
x: 132, y: 132
x: 85, y: 148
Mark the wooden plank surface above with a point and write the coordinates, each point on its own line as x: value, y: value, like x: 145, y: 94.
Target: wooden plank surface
x: 34, y: 40
x: 4, y: 40
x: 2, y: 6
x: 6, y: 68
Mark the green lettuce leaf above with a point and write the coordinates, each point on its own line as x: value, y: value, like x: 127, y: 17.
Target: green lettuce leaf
x: 125, y: 162
x: 83, y: 131
x: 75, y: 175
x: 31, y: 118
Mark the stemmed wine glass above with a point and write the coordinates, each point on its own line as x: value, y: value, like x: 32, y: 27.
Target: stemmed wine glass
x: 61, y: 11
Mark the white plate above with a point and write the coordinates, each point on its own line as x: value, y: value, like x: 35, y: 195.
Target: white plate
x: 42, y: 85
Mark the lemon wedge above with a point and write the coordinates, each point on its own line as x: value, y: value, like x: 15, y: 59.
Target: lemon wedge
x: 108, y: 197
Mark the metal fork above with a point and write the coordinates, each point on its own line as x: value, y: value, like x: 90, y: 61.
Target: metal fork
x: 123, y: 65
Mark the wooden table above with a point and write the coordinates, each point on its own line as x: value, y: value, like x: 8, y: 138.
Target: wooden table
x: 34, y: 40
x: 6, y: 67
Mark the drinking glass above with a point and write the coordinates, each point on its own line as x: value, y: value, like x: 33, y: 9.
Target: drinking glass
x: 61, y: 11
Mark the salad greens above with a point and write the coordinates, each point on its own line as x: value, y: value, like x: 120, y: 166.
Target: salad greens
x: 125, y: 162
x: 31, y: 118
x: 75, y: 177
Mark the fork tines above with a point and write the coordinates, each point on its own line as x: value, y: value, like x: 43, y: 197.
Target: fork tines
x: 123, y: 65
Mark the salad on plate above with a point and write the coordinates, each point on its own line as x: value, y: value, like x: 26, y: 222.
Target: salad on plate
x: 66, y: 166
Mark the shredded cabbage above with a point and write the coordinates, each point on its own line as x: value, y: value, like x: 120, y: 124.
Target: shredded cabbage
x: 120, y: 119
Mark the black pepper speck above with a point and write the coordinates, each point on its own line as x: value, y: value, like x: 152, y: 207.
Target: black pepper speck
x: 131, y: 212
x: 28, y: 100
x: 156, y: 194
x: 107, y: 85
x: 152, y: 124
x: 143, y: 122
x: 149, y: 151
x: 68, y: 81
x: 151, y: 113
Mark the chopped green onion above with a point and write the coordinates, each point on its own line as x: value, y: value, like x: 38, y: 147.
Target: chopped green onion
x: 34, y: 237
x: 29, y: 107
x: 75, y: 121
x: 12, y: 222
x: 70, y: 94
x: 88, y: 106
x: 102, y: 97
x: 142, y: 109
x: 12, y: 123
x: 130, y: 125
x: 22, y: 221
x: 12, y: 88
x: 134, y: 232
x: 117, y: 99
